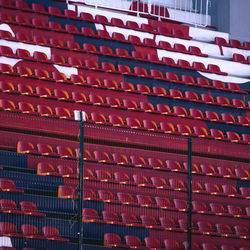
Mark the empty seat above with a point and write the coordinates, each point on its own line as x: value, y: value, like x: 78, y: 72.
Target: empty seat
x: 212, y: 188
x: 26, y: 148
x: 177, y: 184
x: 120, y: 159
x: 222, y: 100
x: 8, y: 206
x: 180, y: 205
x: 205, y: 227
x: 238, y: 103
x: 184, y: 64
x: 152, y: 243
x: 217, y: 134
x: 162, y: 202
x: 141, y: 180
x: 173, y: 165
x: 46, y: 168
x: 207, y: 98
x: 65, y: 152
x: 66, y: 171
x: 159, y: 182
x: 112, y: 240
x: 30, y: 231
x: 122, y: 178
x: 90, y: 215
x: 225, y: 172
x: 101, y: 19
x: 8, y: 229
x: 106, y: 50
x: 143, y: 89
x: 208, y: 246
x: 180, y: 111
x: 233, y: 136
x: 224, y: 229
x: 30, y: 208
x: 145, y: 201
x: 26, y: 108
x: 44, y: 110
x: 175, y: 93
x: 52, y: 233
x: 111, y: 217
x: 149, y: 42
x: 245, y: 191
x: 208, y: 169
x: 126, y: 198
x: 242, y: 231
x: 217, y: 208
x: 171, y: 244
x: 118, y: 36
x: 163, y: 108
x: 202, y: 81
x: 150, y: 222
x: 133, y: 123
x: 242, y: 173
x: 106, y: 196
x: 212, y: 116
x: 129, y: 219
x: 66, y: 192
x: 167, y: 127
x: 218, y: 84
x: 196, y: 113
x: 133, y: 241
x: 229, y: 190
x: 233, y: 86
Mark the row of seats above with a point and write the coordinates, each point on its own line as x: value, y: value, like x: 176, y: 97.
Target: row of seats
x: 149, y: 201
x: 164, y: 223
x: 131, y: 241
x: 241, y: 58
x: 131, y: 122
x: 31, y: 231
x: 231, y: 43
x: 136, y: 161
x: 26, y: 208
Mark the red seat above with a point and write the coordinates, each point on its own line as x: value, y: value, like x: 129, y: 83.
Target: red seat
x: 149, y: 42
x: 192, y: 96
x: 110, y: 217
x: 197, y: 187
x: 246, y: 138
x: 199, y: 66
x: 217, y: 134
x: 212, y: 116
x: 173, y: 165
x: 234, y: 211
x: 150, y: 222
x: 212, y: 188
x: 159, y: 182
x: 73, y: 45
x: 125, y: 198
x: 121, y: 52
x: 168, y: 223
x: 101, y: 19
x: 153, y: 58
x: 133, y: 123
x: 177, y: 184
x: 208, y: 246
x: 118, y: 36
x: 122, y: 178
x: 8, y: 206
x: 143, y: 89
x: 175, y: 93
x: 243, y: 120
x: 91, y: 64
x: 207, y: 98
x: 132, y: 25
x: 245, y: 191
x: 163, y: 108
x: 98, y: 118
x: 242, y: 231
x: 233, y: 86
x: 133, y: 242
x: 103, y: 175
x: 218, y: 84
x: 228, y: 118
x: 222, y: 100
x: 152, y: 243
x: 106, y: 196
x: 145, y: 201
x: 217, y: 208
x: 229, y: 190
x: 180, y: 111
x: 164, y: 44
x: 215, y: 69
x: 167, y: 127
x: 8, y: 229
x: 52, y: 233
x: 66, y: 171
x: 226, y: 172
x: 184, y: 64
x: 162, y: 203
x: 127, y: 87
x: 86, y: 31
x: 178, y: 33
x: 202, y: 81
x: 233, y: 136
x: 112, y: 240
x: 208, y: 169
x: 6, y: 68
x: 196, y: 113
x: 120, y: 159
x: 26, y: 108
x: 141, y: 180
x: 195, y: 168
x: 238, y: 103
x: 108, y: 67
x: 155, y: 163
x: 25, y: 89
x: 238, y: 58
x: 89, y: 48
x: 170, y: 62
x: 159, y: 91
x: 90, y: 215
x: 147, y: 27
x: 86, y: 16
x: 106, y: 50
x: 110, y: 84
x: 96, y: 99
x: 150, y: 125
x: 220, y: 41
x: 65, y: 152
x: 139, y: 71
x: 6, y: 51
x: 113, y: 102
x: 124, y: 69
x: 66, y: 192
x: 147, y: 106
x: 26, y: 148
x: 30, y: 208
x: 242, y: 173
x: 172, y: 77
x: 129, y: 219
x: 205, y: 227
x: 171, y: 244
x: 180, y: 48
x: 224, y: 229
x: 156, y: 74
x: 187, y: 79
x: 44, y: 110
x: 54, y: 11
x: 103, y: 34
x: 101, y: 156
x: 199, y: 207
x: 46, y: 169
x: 30, y: 231
x: 195, y: 51
x: 194, y: 245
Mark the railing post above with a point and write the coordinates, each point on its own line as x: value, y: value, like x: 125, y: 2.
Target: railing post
x: 189, y: 195
x: 80, y: 116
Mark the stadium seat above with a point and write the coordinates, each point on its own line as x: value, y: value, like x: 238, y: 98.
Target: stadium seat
x: 26, y: 108
x: 101, y: 19
x: 242, y: 173
x: 121, y: 52
x: 65, y: 152
x: 52, y: 233
x: 238, y: 103
x: 66, y: 171
x: 132, y: 25
x: 180, y: 205
x: 152, y: 243
x: 184, y: 64
x: 112, y: 240
x: 208, y: 169
x: 218, y: 84
x: 118, y: 36
x: 224, y: 230
x: 184, y: 129
x: 246, y: 138
x: 217, y: 208
x: 120, y: 159
x: 106, y: 196
x: 122, y: 178
x: 221, y: 100
x: 7, y: 87
x: 196, y: 113
x: 9, y: 230
x: 143, y: 89
x: 25, y: 89
x: 229, y: 190
x: 205, y: 227
x: 208, y: 246
x: 217, y: 134
x: 202, y: 82
x: 226, y: 172
x: 141, y: 180
x: 66, y: 192
x: 163, y: 203
x: 145, y: 201
x: 103, y: 175
x: 180, y: 111
x: 150, y: 222
x: 44, y: 110
x: 212, y: 116
x: 177, y: 184
x: 167, y: 127
x: 133, y: 242
x: 8, y: 206
x: 235, y: 211
x: 90, y: 215
x: 46, y: 168
x: 159, y: 182
x: 129, y: 219
x: 126, y: 199
x: 163, y: 108
x: 194, y: 245
x: 171, y: 244
x: 111, y: 217
x: 30, y: 208
x: 26, y: 148
x: 31, y: 231
x: 133, y: 123
x: 233, y: 136
x: 159, y: 91
x: 242, y: 231
x: 212, y: 188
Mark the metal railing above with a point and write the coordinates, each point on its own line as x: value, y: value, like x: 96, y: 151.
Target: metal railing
x: 194, y: 12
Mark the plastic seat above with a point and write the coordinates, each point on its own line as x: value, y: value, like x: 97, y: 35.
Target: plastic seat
x: 178, y: 33
x: 25, y: 89
x: 8, y: 206
x: 126, y: 198
x: 202, y: 82
x: 8, y: 229
x: 246, y: 138
x: 46, y: 168
x: 242, y: 173
x: 133, y: 123
x: 90, y: 215
x: 199, y: 207
x: 106, y: 196
x: 6, y: 68
x: 217, y: 208
x: 103, y: 34
x: 92, y: 49
x: 70, y: 13
x: 180, y: 48
x: 149, y: 42
x: 153, y: 58
x: 174, y: 166
x: 194, y: 245
x: 55, y: 26
x: 86, y: 16
x: 113, y: 102
x: 226, y: 172
x: 110, y: 217
x: 54, y: 11
x: 217, y: 134
x: 228, y: 118
x: 238, y: 103
x: 23, y: 53
x: 92, y: 81
x: 171, y: 244
x: 116, y: 120
x: 72, y: 29
x: 145, y: 201
x: 150, y: 125
x: 224, y: 229
x: 159, y: 182
x: 212, y: 116
x: 169, y: 61
x: 110, y: 84
x: 245, y: 191
x: 242, y: 231
x: 118, y: 36
x: 197, y: 187
x: 205, y: 227
x: 243, y: 120
x: 91, y: 64
x: 122, y: 178
x: 112, y: 240
x: 30, y: 231
x: 66, y: 171
x: 89, y: 194
x: 65, y: 152
x: 117, y: 22
x: 121, y: 52
x: 192, y: 96
x: 6, y: 51
x: 124, y: 69
x: 195, y: 51
x: 184, y: 64
x: 101, y: 19
x: 175, y: 93
x: 212, y: 188
x: 141, y: 180
x: 220, y: 41
x: 41, y: 74
x: 26, y: 148
x: 199, y: 66
x: 138, y: 161
x: 134, y: 39
x: 133, y: 241
x: 165, y: 45
x: 162, y: 203
x: 73, y: 45
x: 172, y: 77
x: 147, y: 27
x: 26, y: 108
x: 196, y: 113
x: 129, y: 219
x: 147, y: 107
x: 208, y: 169
x: 127, y: 87
x: 235, y: 211
x: 152, y: 243
x: 180, y: 111
x: 66, y: 192
x: 52, y: 233
x: 195, y: 168
x: 167, y: 127
x: 208, y: 246
x: 150, y: 222
x: 238, y: 58
x: 163, y: 108
x: 101, y: 156
x: 233, y: 136
x: 132, y: 25
x: 177, y: 184
x: 96, y: 99
x: 187, y: 79
x: 229, y: 190
x: 143, y: 89
x: 58, y: 43
x: 139, y: 71
x: 44, y: 110
x: 184, y: 129
x: 207, y: 98
x: 215, y: 69
x: 108, y: 67
x: 156, y: 74
x: 222, y: 100
x: 106, y: 50
x: 30, y: 208
x: 120, y: 159
x: 98, y: 118
x: 233, y: 86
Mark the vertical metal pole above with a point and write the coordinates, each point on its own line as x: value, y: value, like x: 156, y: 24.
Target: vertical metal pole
x: 189, y: 210
x: 80, y: 205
